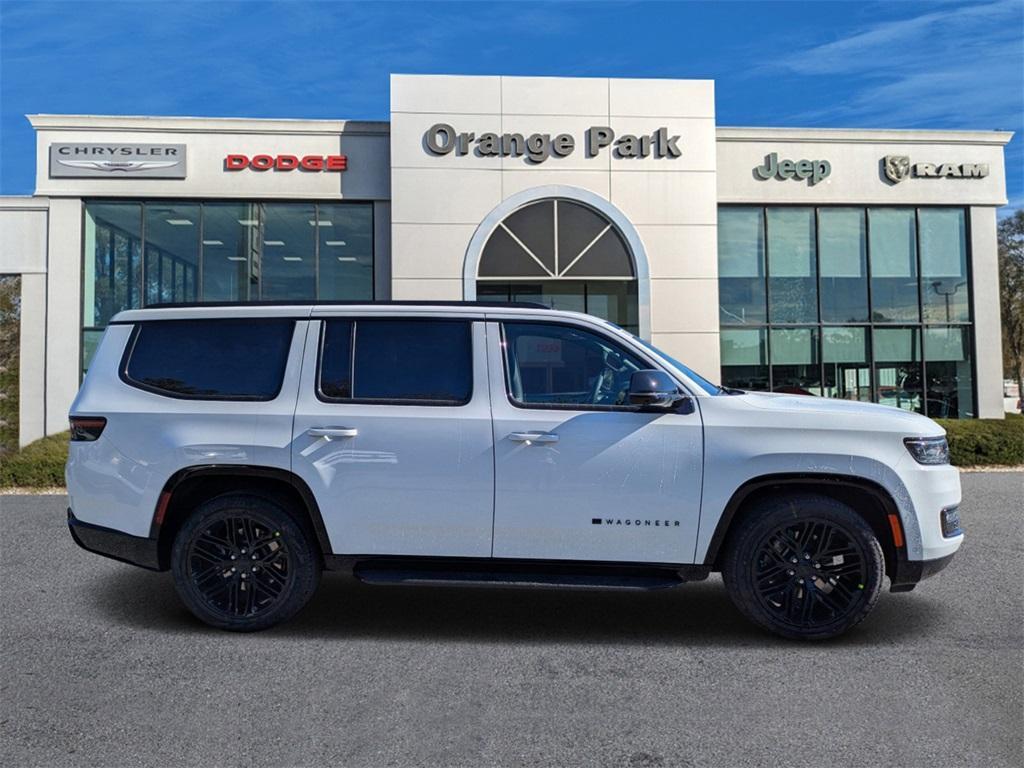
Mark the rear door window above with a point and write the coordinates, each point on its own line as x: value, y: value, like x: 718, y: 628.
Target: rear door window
x: 238, y: 359
x: 414, y: 362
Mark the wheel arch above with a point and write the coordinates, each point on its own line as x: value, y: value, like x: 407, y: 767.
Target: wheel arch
x: 193, y: 485
x: 869, y: 499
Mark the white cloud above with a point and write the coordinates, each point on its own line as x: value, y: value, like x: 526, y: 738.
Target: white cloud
x: 956, y: 67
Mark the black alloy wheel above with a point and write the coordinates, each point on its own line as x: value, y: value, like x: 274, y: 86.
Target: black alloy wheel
x: 239, y: 565
x: 809, y: 573
x: 804, y: 566
x: 244, y: 563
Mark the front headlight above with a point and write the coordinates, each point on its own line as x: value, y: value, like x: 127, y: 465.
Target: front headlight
x: 928, y: 450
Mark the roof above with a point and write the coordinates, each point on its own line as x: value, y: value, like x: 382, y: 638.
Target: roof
x: 862, y: 135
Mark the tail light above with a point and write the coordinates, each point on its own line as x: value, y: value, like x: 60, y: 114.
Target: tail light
x: 87, y: 428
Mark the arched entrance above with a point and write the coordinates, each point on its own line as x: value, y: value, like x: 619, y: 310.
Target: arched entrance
x: 565, y: 248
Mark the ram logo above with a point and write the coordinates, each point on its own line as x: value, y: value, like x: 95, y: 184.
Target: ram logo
x: 897, y: 168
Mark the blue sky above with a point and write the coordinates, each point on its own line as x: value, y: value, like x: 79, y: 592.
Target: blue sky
x: 840, y: 64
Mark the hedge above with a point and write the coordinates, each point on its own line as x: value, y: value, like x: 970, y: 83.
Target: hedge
x: 972, y: 443
x: 37, y: 465
x: 985, y: 442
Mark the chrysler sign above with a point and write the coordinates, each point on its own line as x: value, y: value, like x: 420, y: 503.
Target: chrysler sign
x: 151, y: 161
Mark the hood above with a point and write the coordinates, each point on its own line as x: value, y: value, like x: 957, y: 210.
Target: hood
x: 897, y: 417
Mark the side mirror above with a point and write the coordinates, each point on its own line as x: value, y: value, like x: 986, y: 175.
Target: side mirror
x: 653, y: 389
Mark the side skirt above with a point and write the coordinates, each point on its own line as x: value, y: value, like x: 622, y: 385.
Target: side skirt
x: 537, y: 574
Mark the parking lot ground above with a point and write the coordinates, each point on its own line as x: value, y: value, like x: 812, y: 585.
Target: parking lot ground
x: 102, y: 666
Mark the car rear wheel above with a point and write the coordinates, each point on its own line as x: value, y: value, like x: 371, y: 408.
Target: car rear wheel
x: 804, y: 566
x: 244, y: 563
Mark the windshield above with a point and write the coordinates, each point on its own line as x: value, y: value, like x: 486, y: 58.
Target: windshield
x: 700, y: 381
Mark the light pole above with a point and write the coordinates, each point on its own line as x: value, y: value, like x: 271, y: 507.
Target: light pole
x: 937, y: 284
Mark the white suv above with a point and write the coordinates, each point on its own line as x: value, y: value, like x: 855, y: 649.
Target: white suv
x: 246, y: 448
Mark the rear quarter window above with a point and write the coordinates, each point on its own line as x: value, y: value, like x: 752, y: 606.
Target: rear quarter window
x: 209, y: 359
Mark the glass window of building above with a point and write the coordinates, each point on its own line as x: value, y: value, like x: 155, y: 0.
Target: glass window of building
x: 345, y: 251
x: 172, y: 233
x: 565, y: 255
x: 792, y: 274
x: 113, y: 243
x: 897, y: 353
x: 943, y: 265
x: 842, y: 246
x: 112, y: 273
x: 741, y: 278
x: 893, y: 249
x: 143, y: 253
x: 844, y: 351
x: 877, y: 268
x: 949, y: 376
x: 612, y: 300
x: 288, y: 266
x: 230, y: 251
x: 744, y: 358
x: 794, y: 356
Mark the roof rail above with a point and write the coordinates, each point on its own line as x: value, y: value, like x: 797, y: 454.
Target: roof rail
x: 323, y: 303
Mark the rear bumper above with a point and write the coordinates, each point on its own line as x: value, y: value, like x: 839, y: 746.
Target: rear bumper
x: 116, y: 545
x: 910, y: 572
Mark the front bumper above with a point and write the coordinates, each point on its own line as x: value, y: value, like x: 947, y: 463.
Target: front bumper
x: 117, y: 545
x: 908, y: 573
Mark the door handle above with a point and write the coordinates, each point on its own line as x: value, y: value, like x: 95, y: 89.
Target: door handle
x: 330, y: 432
x: 533, y: 437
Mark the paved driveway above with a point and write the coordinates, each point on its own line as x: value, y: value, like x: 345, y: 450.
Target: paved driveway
x: 102, y: 666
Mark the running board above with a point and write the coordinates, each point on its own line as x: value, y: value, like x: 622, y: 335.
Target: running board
x: 525, y: 577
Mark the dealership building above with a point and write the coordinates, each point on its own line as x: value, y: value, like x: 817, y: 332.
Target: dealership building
x: 857, y: 264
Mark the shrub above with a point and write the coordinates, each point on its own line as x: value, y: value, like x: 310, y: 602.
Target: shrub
x: 37, y: 465
x: 985, y: 442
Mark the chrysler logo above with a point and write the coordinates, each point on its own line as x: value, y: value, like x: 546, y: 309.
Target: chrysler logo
x: 96, y: 160
x: 125, y: 166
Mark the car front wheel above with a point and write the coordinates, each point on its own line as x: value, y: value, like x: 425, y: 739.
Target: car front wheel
x: 243, y: 563
x: 804, y: 566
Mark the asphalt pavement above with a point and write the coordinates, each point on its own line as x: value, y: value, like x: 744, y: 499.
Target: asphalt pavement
x: 100, y: 665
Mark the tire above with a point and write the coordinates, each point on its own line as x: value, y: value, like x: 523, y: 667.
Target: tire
x: 835, y: 581
x: 281, y: 571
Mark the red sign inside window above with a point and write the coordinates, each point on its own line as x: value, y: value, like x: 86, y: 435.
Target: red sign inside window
x: 308, y: 163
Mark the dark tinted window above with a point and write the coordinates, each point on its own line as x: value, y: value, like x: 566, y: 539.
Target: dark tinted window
x: 558, y: 366
x: 211, y: 359
x: 423, y: 361
x: 336, y: 360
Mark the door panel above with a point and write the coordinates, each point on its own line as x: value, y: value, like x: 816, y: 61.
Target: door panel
x: 400, y: 479
x: 587, y: 484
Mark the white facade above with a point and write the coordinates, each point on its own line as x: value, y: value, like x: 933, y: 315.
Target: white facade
x: 434, y: 211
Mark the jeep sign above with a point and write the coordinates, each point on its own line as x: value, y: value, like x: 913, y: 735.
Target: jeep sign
x: 812, y: 170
